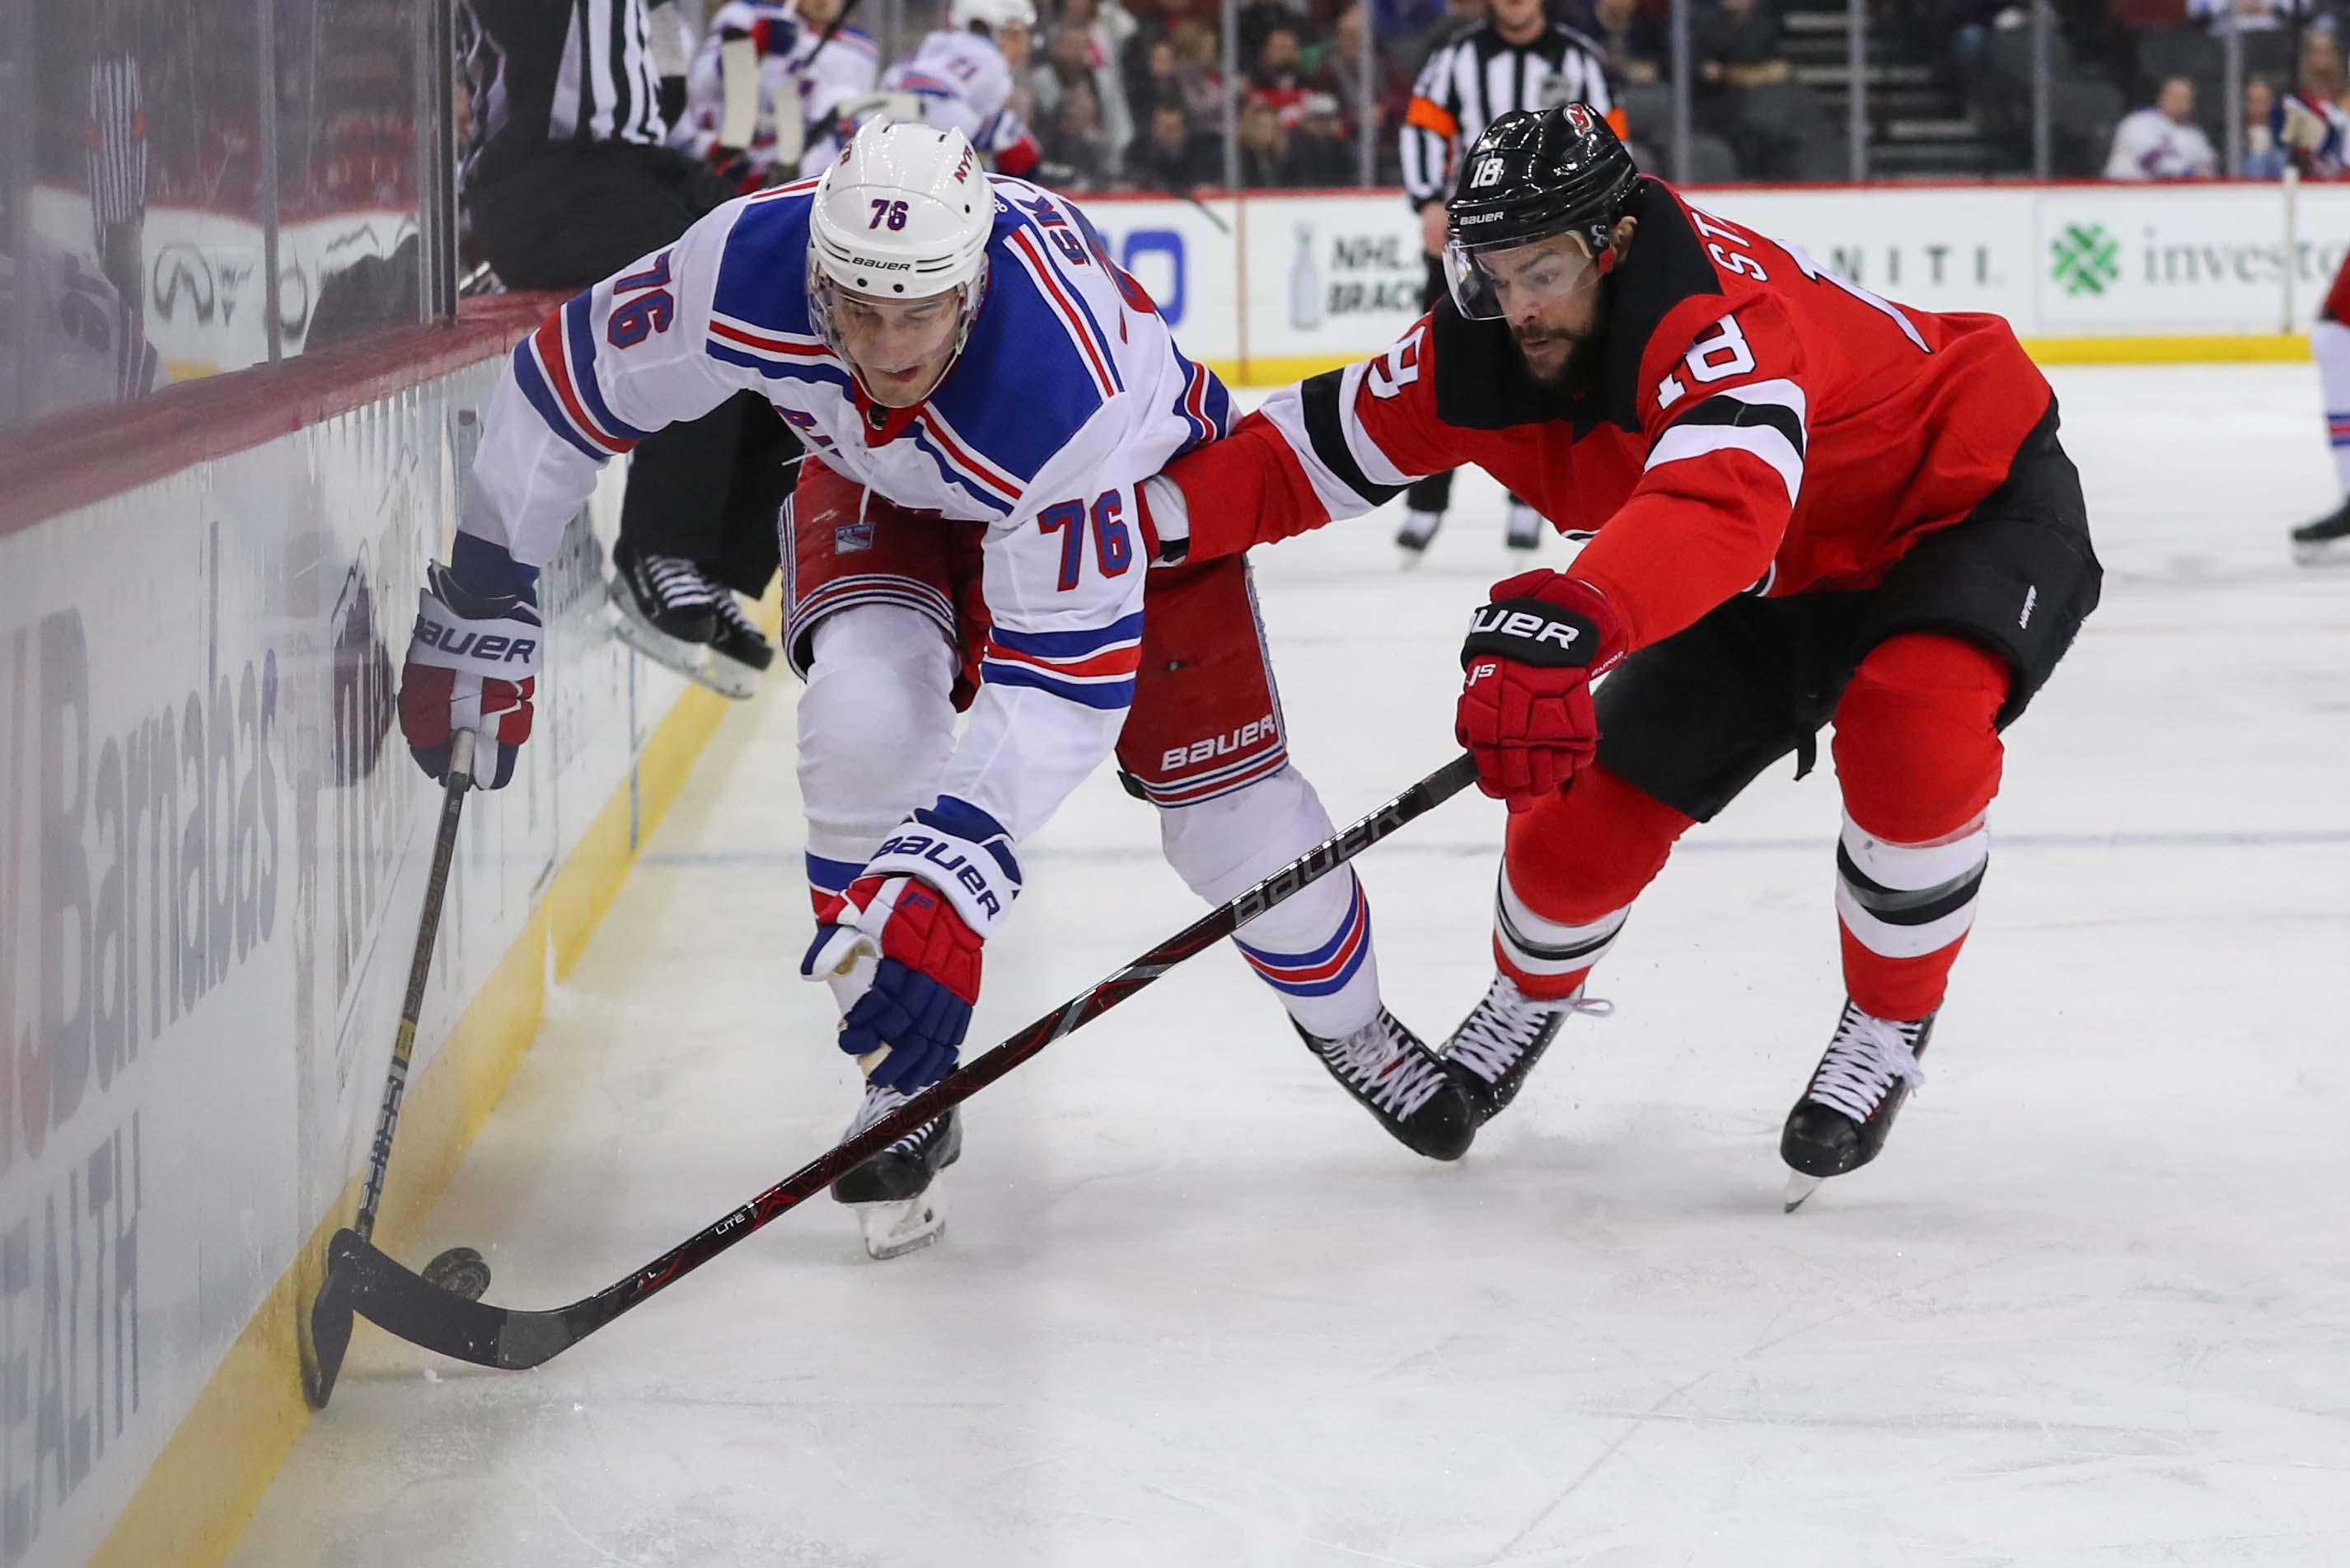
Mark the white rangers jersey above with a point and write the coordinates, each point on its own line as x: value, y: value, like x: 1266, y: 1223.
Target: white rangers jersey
x: 791, y: 66
x: 965, y: 85
x: 1069, y: 392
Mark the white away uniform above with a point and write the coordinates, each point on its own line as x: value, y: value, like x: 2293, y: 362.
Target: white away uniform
x: 965, y: 85
x: 791, y: 68
x: 1068, y: 393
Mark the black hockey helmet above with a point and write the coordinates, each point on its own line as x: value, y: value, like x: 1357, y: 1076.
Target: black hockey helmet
x: 1533, y: 175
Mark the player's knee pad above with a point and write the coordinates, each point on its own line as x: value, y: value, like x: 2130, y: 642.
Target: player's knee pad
x: 1584, y: 855
x: 1917, y: 747
x: 876, y: 724
x: 1222, y: 846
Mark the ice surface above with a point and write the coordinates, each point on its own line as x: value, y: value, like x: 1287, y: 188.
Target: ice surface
x: 2092, y: 1308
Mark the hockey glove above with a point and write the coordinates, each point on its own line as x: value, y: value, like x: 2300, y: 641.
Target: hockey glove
x: 922, y: 907
x: 472, y: 662
x: 1526, y: 701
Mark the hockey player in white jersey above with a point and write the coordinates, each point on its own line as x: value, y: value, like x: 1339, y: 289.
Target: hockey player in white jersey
x: 803, y: 84
x: 962, y: 76
x: 982, y: 393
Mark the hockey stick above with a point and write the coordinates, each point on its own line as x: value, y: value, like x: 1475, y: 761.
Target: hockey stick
x: 410, y: 1306
x: 331, y: 1313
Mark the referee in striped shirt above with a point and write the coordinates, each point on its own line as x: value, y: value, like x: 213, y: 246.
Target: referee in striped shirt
x: 1516, y: 59
x: 567, y: 181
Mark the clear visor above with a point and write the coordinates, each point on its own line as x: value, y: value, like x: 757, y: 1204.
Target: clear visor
x: 905, y: 323
x: 1500, y: 281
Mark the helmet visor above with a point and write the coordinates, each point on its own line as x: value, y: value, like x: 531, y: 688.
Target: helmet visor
x: 1508, y: 278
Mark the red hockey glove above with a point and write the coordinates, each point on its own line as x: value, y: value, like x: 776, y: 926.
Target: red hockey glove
x: 922, y: 908
x: 1525, y: 704
x: 473, y: 663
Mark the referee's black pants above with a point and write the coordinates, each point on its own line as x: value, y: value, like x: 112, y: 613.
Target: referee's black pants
x: 567, y: 217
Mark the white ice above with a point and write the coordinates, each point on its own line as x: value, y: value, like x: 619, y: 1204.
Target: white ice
x: 2092, y: 1307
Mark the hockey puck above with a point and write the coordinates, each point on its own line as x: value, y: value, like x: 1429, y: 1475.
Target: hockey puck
x: 461, y: 1271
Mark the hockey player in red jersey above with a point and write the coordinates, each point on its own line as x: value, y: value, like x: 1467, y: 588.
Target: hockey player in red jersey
x: 1808, y: 502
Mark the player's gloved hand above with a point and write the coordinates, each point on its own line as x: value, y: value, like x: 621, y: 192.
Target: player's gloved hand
x: 472, y: 662
x: 1526, y: 701
x: 922, y: 907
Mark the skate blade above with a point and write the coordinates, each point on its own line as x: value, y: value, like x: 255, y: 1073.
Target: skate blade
x: 692, y: 660
x: 893, y: 1229
x: 1799, y: 1186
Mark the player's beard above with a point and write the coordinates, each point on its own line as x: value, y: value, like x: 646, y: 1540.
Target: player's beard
x: 1552, y: 356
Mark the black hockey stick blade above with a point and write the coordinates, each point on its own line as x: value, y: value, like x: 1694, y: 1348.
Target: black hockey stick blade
x: 403, y: 1303
x: 331, y: 1313
x: 331, y: 1336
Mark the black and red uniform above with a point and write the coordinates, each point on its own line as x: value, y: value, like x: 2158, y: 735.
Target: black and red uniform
x: 1808, y: 503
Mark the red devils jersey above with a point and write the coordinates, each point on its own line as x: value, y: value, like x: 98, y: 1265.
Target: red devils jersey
x: 1742, y: 421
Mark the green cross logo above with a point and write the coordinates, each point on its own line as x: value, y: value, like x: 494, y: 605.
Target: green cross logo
x: 2082, y: 260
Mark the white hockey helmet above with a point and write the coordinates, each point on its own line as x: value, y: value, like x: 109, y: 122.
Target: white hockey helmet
x: 997, y: 14
x: 903, y: 214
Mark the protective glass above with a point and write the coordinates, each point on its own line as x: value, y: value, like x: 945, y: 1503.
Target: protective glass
x: 1506, y: 278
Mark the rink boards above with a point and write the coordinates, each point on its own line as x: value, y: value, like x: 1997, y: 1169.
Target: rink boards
x: 1275, y: 286
x: 209, y: 882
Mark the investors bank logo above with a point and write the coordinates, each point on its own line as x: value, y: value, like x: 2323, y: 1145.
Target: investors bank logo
x: 2082, y: 259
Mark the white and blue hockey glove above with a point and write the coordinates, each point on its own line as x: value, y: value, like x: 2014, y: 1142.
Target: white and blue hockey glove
x: 922, y: 907
x: 472, y: 662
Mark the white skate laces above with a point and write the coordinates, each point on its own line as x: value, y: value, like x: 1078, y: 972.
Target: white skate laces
x: 678, y: 583
x: 1508, y: 1024
x: 1379, y: 1064
x: 880, y: 1102
x: 1864, y: 1061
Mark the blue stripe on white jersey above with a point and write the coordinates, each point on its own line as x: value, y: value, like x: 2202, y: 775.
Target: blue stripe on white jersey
x: 581, y: 337
x: 966, y: 479
x: 1095, y: 665
x: 1025, y: 338
x: 542, y: 398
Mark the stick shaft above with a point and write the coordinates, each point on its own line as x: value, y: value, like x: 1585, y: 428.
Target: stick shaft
x: 976, y: 1074
x: 420, y: 969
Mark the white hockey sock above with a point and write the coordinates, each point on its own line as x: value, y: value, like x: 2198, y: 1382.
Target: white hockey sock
x: 876, y: 725
x: 2329, y: 344
x: 1534, y: 951
x: 1314, y: 948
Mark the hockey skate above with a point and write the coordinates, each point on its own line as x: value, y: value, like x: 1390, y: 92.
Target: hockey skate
x: 1502, y: 1038
x: 890, y: 1193
x: 738, y: 651
x: 1840, y: 1123
x: 667, y: 611
x: 1398, y: 1079
x: 1418, y: 531
x: 2325, y: 541
x: 1525, y: 526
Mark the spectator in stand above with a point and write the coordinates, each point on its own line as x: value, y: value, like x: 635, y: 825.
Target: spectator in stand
x: 1273, y: 76
x: 2246, y: 16
x: 1199, y: 65
x: 1171, y: 156
x: 2163, y: 143
x: 1321, y: 153
x: 1265, y: 163
x: 1335, y: 67
x: 1073, y: 139
x: 1632, y: 47
x: 1737, y: 45
x: 2263, y: 158
x: 1101, y: 29
x: 2321, y: 83
x: 1764, y: 111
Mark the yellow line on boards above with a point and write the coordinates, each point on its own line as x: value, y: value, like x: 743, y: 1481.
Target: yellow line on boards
x: 196, y: 1498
